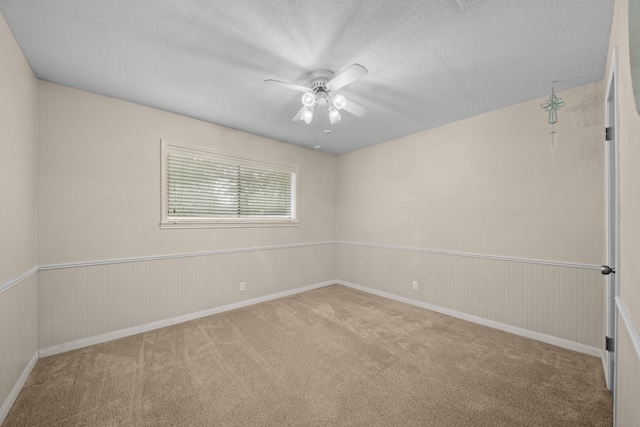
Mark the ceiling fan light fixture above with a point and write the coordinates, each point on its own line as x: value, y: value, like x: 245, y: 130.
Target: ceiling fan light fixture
x: 334, y: 115
x: 320, y: 91
x: 307, y: 115
x: 339, y: 101
x: 308, y: 99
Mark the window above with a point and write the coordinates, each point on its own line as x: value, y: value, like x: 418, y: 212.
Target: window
x: 203, y: 188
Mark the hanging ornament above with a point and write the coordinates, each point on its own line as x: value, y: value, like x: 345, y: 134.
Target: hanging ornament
x: 552, y: 105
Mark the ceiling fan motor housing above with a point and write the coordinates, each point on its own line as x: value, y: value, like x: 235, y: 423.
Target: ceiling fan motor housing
x: 318, y: 82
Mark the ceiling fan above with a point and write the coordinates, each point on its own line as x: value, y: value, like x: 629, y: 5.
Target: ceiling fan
x: 321, y: 91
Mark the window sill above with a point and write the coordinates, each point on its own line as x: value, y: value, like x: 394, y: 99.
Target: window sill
x: 227, y: 224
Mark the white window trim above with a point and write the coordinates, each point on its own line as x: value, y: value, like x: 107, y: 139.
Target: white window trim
x: 179, y: 222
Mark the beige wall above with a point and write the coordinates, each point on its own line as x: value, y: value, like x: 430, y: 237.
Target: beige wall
x: 18, y: 303
x: 18, y: 336
x: 84, y: 302
x: 629, y: 267
x: 628, y: 385
x: 99, y: 181
x: 555, y: 301
x: 414, y: 208
x: 17, y: 158
x: 99, y: 199
x: 485, y: 185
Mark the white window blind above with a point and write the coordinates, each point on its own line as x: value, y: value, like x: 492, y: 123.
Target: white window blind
x: 206, y: 187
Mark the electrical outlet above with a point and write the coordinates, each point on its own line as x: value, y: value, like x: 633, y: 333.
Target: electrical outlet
x: 243, y: 286
x: 415, y: 285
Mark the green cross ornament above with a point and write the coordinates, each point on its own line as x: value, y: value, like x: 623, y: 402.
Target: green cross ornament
x: 552, y: 106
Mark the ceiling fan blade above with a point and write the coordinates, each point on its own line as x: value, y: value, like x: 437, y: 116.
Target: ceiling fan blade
x: 287, y: 85
x: 298, y: 116
x: 355, y: 109
x: 347, y: 76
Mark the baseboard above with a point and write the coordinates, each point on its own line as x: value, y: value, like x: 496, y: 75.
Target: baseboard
x: 15, y: 391
x: 85, y: 342
x: 605, y: 369
x: 560, y: 342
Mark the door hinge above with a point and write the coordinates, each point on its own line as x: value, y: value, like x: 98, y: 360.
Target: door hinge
x: 608, y: 343
x: 608, y: 134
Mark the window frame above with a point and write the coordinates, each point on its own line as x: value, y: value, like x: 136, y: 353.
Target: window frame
x: 167, y: 221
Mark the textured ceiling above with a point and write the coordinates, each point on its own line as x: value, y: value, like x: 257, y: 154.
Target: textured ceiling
x: 430, y: 62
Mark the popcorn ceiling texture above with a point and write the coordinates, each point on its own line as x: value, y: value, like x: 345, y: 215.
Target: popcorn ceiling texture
x: 430, y: 62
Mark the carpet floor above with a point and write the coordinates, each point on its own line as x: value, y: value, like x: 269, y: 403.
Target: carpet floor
x: 332, y: 356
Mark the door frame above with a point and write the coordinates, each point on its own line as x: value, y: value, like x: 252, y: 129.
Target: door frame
x: 612, y: 220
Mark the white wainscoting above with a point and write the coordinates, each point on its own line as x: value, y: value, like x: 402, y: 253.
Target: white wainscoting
x: 18, y: 337
x: 566, y: 301
x: 86, y: 303
x: 17, y: 387
x: 85, y: 342
x: 629, y: 325
x: 80, y: 301
x: 627, y: 410
x: 593, y: 351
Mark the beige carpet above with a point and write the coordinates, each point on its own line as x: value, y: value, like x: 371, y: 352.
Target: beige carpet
x: 333, y: 356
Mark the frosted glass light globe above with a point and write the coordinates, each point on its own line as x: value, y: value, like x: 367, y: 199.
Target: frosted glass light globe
x: 339, y: 101
x: 307, y: 115
x: 308, y: 99
x: 334, y: 116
